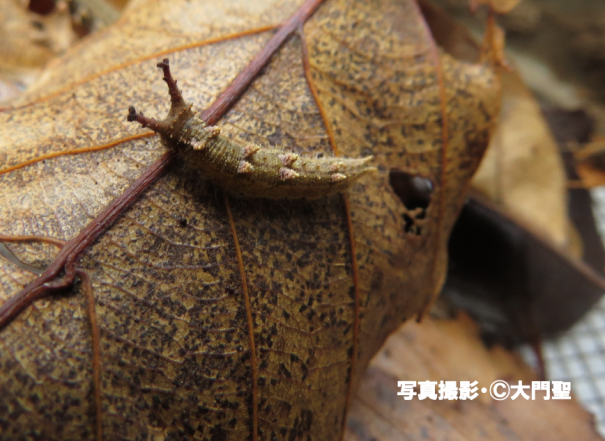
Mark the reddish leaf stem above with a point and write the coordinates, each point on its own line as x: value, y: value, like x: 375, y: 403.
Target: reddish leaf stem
x: 64, y: 263
x: 233, y: 92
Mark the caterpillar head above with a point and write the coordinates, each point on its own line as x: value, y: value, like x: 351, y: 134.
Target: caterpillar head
x: 169, y: 128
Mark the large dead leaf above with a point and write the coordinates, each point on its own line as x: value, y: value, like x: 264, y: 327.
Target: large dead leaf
x: 523, y: 171
x: 223, y: 318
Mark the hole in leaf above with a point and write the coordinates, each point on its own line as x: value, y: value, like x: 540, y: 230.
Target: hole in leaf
x: 415, y: 193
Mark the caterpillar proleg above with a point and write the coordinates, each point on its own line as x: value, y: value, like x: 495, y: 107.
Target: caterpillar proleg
x: 248, y: 170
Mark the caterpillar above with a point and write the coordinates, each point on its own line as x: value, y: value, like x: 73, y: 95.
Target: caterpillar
x: 247, y: 170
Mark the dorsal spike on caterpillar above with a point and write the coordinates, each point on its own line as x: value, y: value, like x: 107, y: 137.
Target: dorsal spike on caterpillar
x: 249, y: 170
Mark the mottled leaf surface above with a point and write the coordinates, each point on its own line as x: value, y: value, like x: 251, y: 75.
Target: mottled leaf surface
x: 327, y: 280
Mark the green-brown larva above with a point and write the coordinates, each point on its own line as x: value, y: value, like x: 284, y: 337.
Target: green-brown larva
x: 248, y: 170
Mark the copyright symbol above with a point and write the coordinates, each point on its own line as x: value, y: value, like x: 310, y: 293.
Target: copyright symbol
x: 495, y: 390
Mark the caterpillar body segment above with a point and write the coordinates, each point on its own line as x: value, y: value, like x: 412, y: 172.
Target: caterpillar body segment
x: 248, y: 170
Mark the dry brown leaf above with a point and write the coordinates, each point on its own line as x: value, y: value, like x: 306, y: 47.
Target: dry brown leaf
x: 522, y: 170
x: 172, y: 277
x: 452, y: 350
